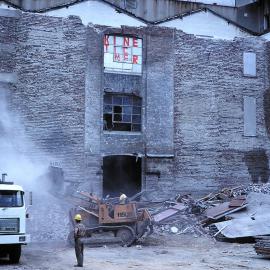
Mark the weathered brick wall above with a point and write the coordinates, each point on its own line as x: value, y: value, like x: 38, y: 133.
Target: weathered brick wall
x: 192, y: 91
x: 8, y: 39
x: 210, y: 145
x: 50, y: 92
x: 160, y: 90
x: 93, y: 110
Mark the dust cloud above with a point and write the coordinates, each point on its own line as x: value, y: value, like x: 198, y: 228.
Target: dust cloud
x: 48, y: 214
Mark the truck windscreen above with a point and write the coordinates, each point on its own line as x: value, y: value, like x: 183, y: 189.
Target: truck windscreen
x: 11, y: 198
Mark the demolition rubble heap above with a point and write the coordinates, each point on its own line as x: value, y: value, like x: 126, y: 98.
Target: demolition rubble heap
x: 238, y: 213
x: 232, y: 214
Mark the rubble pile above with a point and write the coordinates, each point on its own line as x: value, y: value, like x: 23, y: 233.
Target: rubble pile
x: 258, y: 188
x: 176, y: 216
x: 262, y: 246
x: 180, y: 224
x: 231, y: 213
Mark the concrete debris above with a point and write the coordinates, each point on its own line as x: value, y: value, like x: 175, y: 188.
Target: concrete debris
x: 262, y: 246
x: 254, y: 221
x: 231, y: 213
x: 170, y: 211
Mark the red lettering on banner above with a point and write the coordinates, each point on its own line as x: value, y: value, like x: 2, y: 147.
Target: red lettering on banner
x: 135, y: 42
x: 135, y: 59
x: 125, y: 52
x: 116, y: 57
x: 126, y: 41
x: 106, y: 42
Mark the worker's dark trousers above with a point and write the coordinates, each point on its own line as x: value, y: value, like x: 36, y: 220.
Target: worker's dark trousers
x: 79, y: 251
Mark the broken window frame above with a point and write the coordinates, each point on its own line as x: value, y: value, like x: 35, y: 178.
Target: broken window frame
x: 122, y: 112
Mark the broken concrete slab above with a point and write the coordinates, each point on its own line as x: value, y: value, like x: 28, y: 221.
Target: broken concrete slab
x: 158, y: 217
x: 245, y: 227
x: 252, y: 222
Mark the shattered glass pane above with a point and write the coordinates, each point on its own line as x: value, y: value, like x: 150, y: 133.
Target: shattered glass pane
x: 117, y: 109
x: 136, y: 110
x: 107, y: 122
x: 136, y: 119
x: 127, y: 110
x: 127, y: 118
x: 117, y: 117
x: 122, y: 112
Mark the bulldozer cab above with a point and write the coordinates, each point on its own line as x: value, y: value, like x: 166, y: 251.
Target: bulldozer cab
x: 117, y: 213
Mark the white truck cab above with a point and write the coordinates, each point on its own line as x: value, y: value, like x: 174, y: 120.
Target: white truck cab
x: 12, y: 220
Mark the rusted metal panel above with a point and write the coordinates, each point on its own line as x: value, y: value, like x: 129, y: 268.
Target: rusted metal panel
x: 164, y: 214
x: 222, y: 210
x: 217, y: 210
x: 238, y: 202
x: 179, y: 206
x: 245, y: 227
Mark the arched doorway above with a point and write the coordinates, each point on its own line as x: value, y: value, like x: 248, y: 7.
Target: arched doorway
x: 121, y: 173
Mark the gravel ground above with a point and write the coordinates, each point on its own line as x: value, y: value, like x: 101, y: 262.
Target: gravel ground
x: 157, y: 252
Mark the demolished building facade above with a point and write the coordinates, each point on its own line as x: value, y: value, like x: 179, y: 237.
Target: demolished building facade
x: 131, y: 108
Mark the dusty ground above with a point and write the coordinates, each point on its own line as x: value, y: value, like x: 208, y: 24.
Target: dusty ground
x: 158, y: 252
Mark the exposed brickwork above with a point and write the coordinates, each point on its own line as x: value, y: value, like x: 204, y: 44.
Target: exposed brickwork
x: 50, y: 94
x: 209, y: 91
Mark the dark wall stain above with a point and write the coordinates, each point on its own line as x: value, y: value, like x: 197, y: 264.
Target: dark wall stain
x: 257, y: 163
x: 266, y: 107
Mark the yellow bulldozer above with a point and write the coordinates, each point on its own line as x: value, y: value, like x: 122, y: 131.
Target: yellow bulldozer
x: 124, y: 218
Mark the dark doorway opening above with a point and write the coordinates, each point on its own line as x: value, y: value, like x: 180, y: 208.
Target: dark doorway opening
x: 121, y: 174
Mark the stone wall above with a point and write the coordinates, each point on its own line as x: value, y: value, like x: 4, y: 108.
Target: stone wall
x: 50, y: 92
x: 192, y: 94
x: 211, y: 149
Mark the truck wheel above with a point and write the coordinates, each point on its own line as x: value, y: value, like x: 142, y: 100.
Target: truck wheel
x: 15, y: 253
x: 126, y: 236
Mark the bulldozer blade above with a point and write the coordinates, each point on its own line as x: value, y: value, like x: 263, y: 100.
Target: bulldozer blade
x: 96, y: 242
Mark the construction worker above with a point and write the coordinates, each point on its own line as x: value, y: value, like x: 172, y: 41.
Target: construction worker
x: 79, y: 232
x: 123, y: 198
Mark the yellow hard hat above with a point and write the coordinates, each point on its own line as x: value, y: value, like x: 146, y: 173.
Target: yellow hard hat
x: 78, y: 217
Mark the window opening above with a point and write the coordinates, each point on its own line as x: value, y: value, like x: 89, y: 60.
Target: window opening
x: 249, y: 59
x: 122, y: 112
x: 122, y: 54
